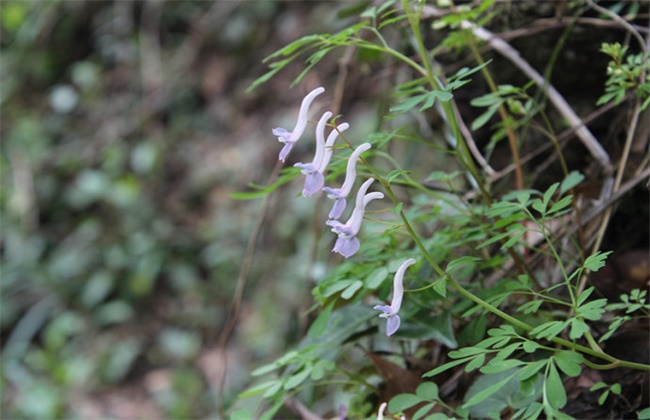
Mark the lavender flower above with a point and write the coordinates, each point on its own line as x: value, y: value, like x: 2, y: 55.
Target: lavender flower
x: 289, y: 138
x: 347, y: 243
x: 314, y: 177
x: 339, y: 195
x: 390, y: 312
x: 331, y: 139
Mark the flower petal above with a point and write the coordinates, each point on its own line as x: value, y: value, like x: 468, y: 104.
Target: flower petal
x: 392, y: 324
x: 313, y: 183
x: 337, y: 208
x: 347, y: 246
x: 285, y: 151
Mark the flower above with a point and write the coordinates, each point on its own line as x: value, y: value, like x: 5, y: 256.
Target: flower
x: 380, y: 413
x: 390, y: 312
x: 347, y: 243
x: 340, y: 194
x: 331, y: 139
x: 314, y: 177
x: 289, y: 138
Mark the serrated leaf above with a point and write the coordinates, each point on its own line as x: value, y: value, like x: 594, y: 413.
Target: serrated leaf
x: 596, y: 261
x: 593, y: 310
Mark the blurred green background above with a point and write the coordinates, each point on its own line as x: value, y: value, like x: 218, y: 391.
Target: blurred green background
x: 124, y: 128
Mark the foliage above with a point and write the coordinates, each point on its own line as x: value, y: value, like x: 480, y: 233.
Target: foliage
x: 542, y: 327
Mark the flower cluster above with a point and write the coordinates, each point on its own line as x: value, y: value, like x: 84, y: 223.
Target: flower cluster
x: 347, y: 243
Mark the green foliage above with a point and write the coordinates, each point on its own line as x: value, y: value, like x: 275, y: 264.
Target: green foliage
x: 625, y: 72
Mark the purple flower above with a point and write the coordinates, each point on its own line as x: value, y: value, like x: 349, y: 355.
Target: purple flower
x: 347, y: 243
x: 390, y: 312
x: 314, y: 178
x: 339, y: 195
x: 289, y: 138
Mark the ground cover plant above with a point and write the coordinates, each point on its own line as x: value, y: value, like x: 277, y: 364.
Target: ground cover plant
x: 474, y: 225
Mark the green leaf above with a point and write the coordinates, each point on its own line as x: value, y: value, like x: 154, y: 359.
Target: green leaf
x: 241, y: 414
x: 569, y: 362
x: 548, y: 194
x: 466, y: 352
x: 422, y: 411
x: 530, y: 346
x: 549, y: 330
x: 445, y: 367
x: 259, y: 388
x: 487, y: 392
x: 500, y: 366
x: 440, y: 286
x: 403, y: 402
x: 530, y: 307
x: 564, y: 202
x: 298, y: 378
x: 593, y: 310
x: 352, y: 289
x: 427, y: 390
x: 394, y: 174
x: 531, y: 369
x: 376, y: 278
x: 574, y: 178
x: 476, y: 363
x: 318, y: 327
x: 555, y: 388
x: 578, y: 328
x: 458, y: 262
x: 596, y: 261
x: 644, y: 414
x: 482, y: 119
x: 597, y: 386
x: 584, y: 295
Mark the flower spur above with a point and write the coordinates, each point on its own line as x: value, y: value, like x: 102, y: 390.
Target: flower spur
x: 390, y: 311
x: 289, y: 138
x: 347, y: 243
